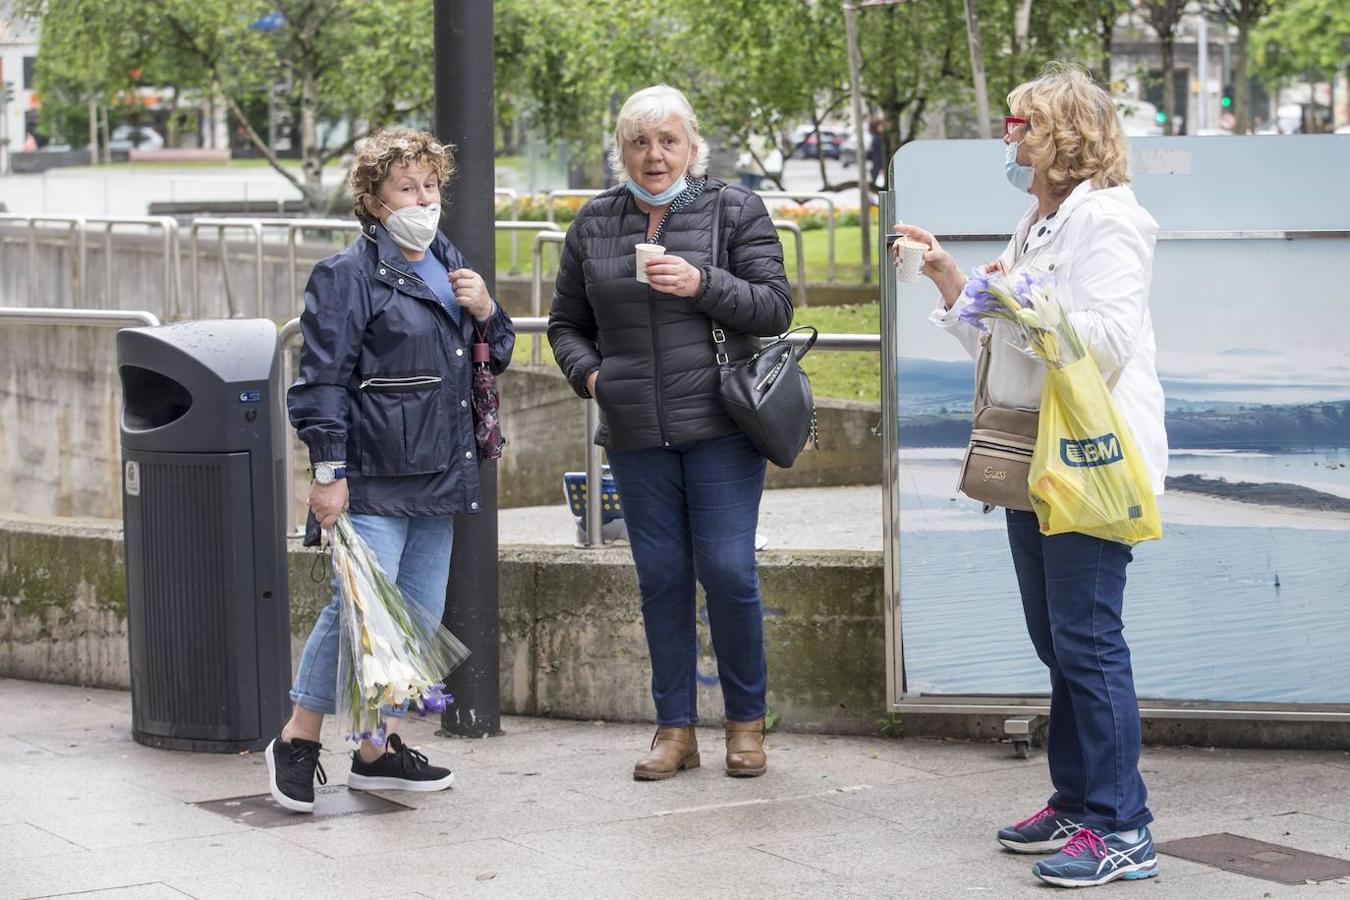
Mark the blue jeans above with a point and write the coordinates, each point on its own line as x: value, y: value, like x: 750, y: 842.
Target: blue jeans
x: 1073, y: 589
x: 415, y: 553
x: 691, y: 511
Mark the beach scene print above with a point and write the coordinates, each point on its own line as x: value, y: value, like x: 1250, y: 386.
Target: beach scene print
x: 1244, y: 599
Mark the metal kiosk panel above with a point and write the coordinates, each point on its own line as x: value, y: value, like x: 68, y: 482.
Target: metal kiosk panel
x: 1238, y: 612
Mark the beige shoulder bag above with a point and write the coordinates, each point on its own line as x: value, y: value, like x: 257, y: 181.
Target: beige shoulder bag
x: 997, y: 466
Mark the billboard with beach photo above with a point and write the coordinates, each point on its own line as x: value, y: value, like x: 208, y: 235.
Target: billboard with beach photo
x: 1244, y: 598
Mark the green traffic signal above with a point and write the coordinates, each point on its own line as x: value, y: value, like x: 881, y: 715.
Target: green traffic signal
x: 1226, y: 102
x: 1161, y: 117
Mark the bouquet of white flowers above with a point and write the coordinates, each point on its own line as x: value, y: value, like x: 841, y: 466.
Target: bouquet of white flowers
x: 389, y: 657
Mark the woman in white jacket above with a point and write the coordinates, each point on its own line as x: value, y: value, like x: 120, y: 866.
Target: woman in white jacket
x: 1086, y: 231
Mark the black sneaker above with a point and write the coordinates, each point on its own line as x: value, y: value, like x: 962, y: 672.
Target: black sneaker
x: 401, y: 769
x: 291, y: 768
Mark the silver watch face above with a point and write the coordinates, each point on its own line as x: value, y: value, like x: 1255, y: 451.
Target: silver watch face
x: 324, y: 474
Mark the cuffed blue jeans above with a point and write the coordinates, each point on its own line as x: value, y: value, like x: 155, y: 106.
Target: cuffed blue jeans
x: 1073, y: 589
x: 691, y: 511
x: 415, y: 553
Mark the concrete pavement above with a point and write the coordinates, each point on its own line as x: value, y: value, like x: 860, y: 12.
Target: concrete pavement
x: 549, y: 810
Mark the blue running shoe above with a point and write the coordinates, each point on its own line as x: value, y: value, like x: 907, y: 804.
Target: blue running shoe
x: 1091, y: 859
x: 1045, y: 832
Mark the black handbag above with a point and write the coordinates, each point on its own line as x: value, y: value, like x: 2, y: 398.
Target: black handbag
x: 768, y: 396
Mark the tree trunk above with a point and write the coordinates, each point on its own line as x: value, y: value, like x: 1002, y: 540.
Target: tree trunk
x: 171, y: 130
x: 1108, y: 33
x: 1021, y: 35
x: 309, y: 142
x: 1243, y: 85
x: 107, y: 141
x: 1169, y: 80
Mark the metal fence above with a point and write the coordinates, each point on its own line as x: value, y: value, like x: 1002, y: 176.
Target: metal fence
x: 290, y: 338
x: 75, y: 235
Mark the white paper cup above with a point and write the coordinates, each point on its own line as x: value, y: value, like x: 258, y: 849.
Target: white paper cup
x: 644, y: 253
x: 911, y: 259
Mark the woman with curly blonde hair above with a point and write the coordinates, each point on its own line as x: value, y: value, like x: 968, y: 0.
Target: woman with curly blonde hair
x: 383, y: 404
x: 1065, y: 146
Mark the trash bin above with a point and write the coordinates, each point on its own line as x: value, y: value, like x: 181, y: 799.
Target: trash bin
x: 208, y: 613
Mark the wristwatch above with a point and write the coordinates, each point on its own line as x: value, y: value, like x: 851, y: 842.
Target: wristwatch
x: 329, y: 472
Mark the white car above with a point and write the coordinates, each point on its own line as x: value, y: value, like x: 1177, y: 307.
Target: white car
x: 137, y: 137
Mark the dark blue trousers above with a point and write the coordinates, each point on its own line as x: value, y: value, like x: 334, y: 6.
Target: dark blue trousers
x: 1073, y: 588
x: 691, y: 511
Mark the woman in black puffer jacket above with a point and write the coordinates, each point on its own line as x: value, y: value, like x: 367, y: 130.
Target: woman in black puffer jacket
x: 689, y: 480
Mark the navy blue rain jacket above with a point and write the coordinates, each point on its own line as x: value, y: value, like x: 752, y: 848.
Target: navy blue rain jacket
x: 386, y: 379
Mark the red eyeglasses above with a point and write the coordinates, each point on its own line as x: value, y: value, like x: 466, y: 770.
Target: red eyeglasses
x: 1011, y: 122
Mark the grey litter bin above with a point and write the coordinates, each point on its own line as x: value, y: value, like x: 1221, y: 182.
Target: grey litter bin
x: 208, y: 613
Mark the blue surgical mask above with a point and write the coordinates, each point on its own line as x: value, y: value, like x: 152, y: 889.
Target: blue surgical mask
x: 660, y: 199
x: 1019, y: 176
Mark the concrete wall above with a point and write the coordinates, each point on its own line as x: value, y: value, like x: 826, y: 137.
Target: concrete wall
x: 572, y: 639
x: 572, y: 643
x: 60, y: 399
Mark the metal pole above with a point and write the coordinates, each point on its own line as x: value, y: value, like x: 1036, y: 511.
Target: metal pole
x: 855, y: 87
x: 595, y: 535
x: 977, y: 68
x: 1202, y: 64
x: 464, y: 117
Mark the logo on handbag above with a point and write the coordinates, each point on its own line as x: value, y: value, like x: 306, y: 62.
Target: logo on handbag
x: 1098, y: 451
x: 992, y: 474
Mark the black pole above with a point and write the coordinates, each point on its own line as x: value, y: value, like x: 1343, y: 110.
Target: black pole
x: 464, y: 117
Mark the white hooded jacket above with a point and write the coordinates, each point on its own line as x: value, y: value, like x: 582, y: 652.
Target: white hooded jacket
x: 1099, y: 250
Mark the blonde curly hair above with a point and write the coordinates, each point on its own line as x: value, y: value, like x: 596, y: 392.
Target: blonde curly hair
x: 1075, y: 134
x: 390, y: 147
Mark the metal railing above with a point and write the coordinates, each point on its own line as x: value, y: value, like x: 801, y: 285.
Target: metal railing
x: 79, y: 227
x: 99, y: 318
x: 513, y: 201
x: 293, y: 229
x: 537, y: 286
x: 550, y: 212
x: 76, y: 238
x: 830, y: 216
x: 289, y: 337
x: 221, y: 225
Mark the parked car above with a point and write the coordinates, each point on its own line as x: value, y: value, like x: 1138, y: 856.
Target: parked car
x: 137, y: 137
x: 804, y: 142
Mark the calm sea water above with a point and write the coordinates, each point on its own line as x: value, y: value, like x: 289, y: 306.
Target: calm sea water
x: 1204, y: 616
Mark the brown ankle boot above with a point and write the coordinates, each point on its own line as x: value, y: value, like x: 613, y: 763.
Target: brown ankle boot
x: 673, y: 749
x: 745, y: 749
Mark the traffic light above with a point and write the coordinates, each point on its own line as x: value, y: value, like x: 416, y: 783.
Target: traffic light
x: 6, y: 93
x: 1226, y: 101
x: 1161, y: 117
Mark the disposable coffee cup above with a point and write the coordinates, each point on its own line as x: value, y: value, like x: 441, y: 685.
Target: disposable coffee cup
x: 911, y: 259
x: 644, y: 253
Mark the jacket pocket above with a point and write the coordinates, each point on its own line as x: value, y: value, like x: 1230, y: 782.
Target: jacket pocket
x: 405, y: 429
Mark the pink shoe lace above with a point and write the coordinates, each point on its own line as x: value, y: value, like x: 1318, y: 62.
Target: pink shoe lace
x: 1036, y: 817
x: 1088, y: 839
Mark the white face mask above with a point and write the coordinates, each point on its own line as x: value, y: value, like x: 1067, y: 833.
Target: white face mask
x: 413, y: 227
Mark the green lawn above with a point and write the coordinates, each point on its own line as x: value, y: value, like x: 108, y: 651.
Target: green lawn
x: 842, y: 375
x: 848, y: 253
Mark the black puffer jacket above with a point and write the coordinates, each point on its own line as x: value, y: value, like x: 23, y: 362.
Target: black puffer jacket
x: 658, y: 369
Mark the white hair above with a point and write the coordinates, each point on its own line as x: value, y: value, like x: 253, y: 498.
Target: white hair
x: 652, y: 106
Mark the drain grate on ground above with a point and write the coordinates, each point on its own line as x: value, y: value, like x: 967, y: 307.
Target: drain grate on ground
x: 1245, y: 856
x: 330, y: 802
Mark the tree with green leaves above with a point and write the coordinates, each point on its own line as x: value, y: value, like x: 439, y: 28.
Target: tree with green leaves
x: 1163, y: 16
x: 1246, y: 15
x: 368, y: 62
x: 1302, y: 37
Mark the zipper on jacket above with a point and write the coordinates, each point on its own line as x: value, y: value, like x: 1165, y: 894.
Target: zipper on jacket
x: 410, y: 383
x: 656, y: 361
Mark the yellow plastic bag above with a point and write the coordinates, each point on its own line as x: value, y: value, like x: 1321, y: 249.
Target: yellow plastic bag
x: 1086, y: 474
